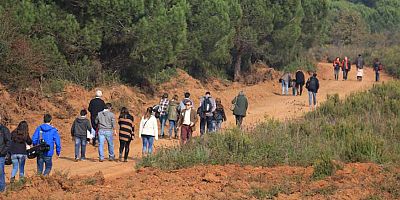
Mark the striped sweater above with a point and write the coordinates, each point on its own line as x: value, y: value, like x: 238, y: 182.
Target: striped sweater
x: 126, y: 128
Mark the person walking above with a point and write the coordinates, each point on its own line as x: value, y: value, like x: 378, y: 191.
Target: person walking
x: 377, y: 68
x: 96, y: 105
x: 294, y: 88
x: 336, y: 68
x: 126, y: 133
x: 173, y: 116
x: 50, y: 135
x: 206, y: 110
x: 19, y: 139
x: 164, y: 102
x: 5, y: 142
x: 148, y: 131
x: 346, y: 66
x: 79, y: 129
x: 182, y: 103
x: 219, y: 115
x: 285, y: 79
x: 360, y: 66
x: 241, y: 104
x: 187, y: 122
x: 312, y: 86
x: 107, y: 126
x: 300, y: 80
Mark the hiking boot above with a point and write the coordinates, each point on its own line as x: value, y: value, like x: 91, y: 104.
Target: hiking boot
x: 12, y: 179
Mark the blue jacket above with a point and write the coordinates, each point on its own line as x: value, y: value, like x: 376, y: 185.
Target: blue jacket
x: 50, y: 136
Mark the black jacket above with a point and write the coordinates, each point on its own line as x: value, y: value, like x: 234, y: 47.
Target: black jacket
x: 96, y: 105
x: 300, y: 77
x: 5, y: 140
x: 312, y: 84
x: 80, y: 127
x: 19, y: 147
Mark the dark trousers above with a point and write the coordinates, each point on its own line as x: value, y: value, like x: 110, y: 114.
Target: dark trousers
x: 44, y: 162
x: 299, y: 87
x: 208, y: 120
x: 124, y: 145
x: 345, y: 72
x: 94, y: 126
x: 239, y: 120
x: 377, y: 76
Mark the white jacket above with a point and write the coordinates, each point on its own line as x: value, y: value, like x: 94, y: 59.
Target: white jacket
x: 149, y: 127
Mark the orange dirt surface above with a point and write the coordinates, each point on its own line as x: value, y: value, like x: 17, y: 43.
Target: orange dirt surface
x: 354, y: 181
x: 265, y: 101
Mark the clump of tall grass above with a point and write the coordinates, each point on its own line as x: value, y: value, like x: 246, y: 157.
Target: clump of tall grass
x: 360, y: 128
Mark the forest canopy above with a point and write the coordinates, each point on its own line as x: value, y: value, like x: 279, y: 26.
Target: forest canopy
x: 93, y: 42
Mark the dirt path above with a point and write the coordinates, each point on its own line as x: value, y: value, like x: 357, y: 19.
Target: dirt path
x: 265, y: 101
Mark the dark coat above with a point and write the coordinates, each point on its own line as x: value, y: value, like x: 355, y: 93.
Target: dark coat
x: 300, y: 78
x: 19, y: 147
x: 312, y: 87
x: 96, y: 105
x: 5, y: 140
x: 241, y: 105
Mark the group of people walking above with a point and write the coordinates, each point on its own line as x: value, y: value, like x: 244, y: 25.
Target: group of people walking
x: 297, y: 84
x: 101, y: 127
x: 345, y: 65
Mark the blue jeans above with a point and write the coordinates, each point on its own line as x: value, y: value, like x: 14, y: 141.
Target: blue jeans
x: 336, y: 72
x: 163, y: 121
x: 18, y: 161
x: 206, y: 121
x: 44, y: 160
x: 80, y: 147
x: 2, y: 175
x: 285, y: 88
x: 106, y: 135
x: 217, y: 124
x: 312, y: 98
x: 172, y: 126
x: 147, y: 144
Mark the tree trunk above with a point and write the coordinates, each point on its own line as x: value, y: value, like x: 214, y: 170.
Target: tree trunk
x: 236, y: 76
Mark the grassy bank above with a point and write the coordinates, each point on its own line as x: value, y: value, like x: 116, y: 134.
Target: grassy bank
x: 360, y: 128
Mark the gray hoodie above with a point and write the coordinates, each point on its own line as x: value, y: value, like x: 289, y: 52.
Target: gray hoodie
x: 106, y: 120
x: 80, y: 127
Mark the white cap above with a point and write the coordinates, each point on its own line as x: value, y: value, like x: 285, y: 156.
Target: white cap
x: 99, y: 93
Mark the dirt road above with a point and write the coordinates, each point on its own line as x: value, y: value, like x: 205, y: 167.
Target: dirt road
x: 265, y: 101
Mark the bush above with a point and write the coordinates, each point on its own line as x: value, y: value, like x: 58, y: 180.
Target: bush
x: 360, y: 128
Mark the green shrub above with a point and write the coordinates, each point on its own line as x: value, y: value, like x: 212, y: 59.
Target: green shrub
x: 54, y: 86
x: 360, y: 128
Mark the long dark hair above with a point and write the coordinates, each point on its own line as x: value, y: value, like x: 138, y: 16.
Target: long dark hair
x: 149, y: 110
x: 21, y: 133
x: 124, y: 113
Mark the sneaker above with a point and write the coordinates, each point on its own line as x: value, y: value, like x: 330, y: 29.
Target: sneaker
x: 111, y: 159
x: 100, y: 160
x: 76, y: 159
x: 83, y: 159
x: 120, y: 159
x: 125, y: 160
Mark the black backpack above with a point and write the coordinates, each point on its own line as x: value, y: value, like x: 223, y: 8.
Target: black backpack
x: 311, y: 84
x: 206, y: 106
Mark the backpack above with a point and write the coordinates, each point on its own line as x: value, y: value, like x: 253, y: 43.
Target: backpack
x: 311, y: 84
x: 206, y: 106
x: 156, y: 111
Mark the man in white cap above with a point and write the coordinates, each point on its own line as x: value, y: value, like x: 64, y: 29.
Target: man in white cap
x: 96, y: 105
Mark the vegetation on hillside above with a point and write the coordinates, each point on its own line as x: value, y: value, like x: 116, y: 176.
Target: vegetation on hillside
x: 360, y: 128
x: 94, y: 42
